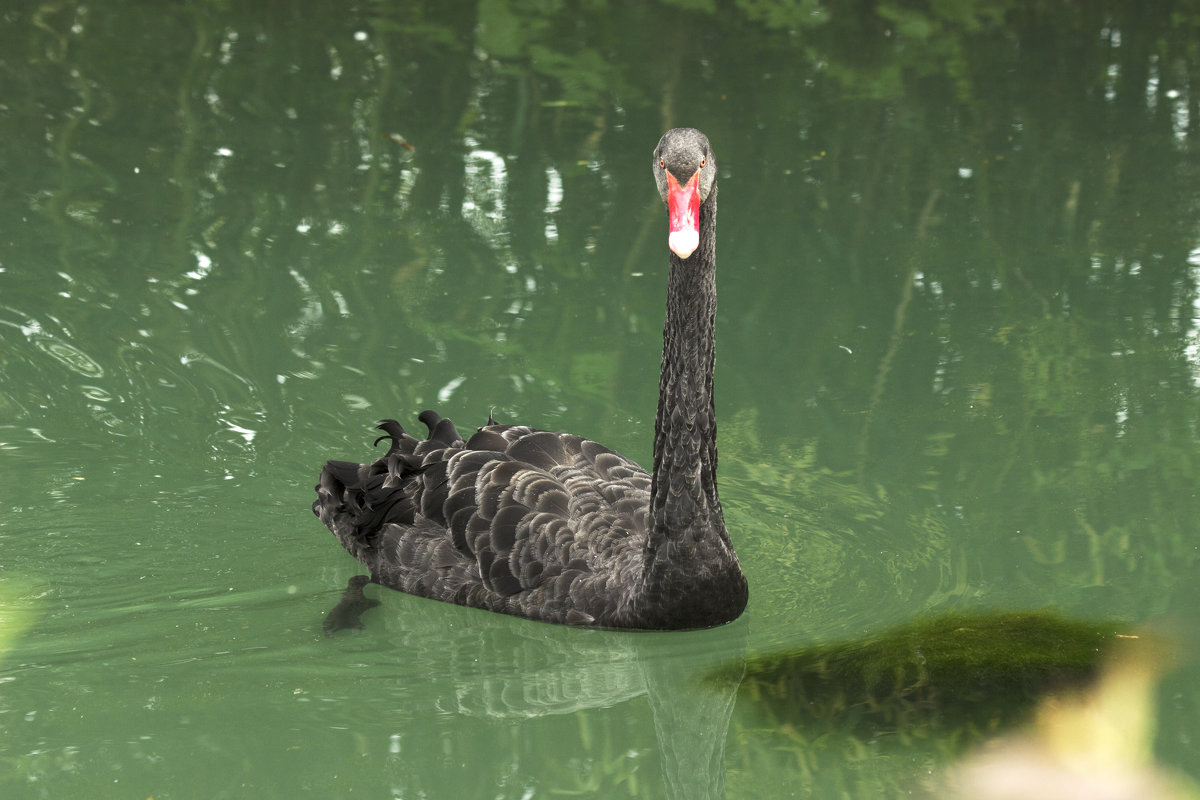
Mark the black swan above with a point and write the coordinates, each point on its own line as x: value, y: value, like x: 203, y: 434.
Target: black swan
x: 552, y: 526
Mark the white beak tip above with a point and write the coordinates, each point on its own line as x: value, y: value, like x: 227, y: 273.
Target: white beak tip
x: 683, y: 243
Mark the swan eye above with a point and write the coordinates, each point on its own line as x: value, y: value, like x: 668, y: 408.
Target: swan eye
x: 662, y: 163
x: 703, y: 161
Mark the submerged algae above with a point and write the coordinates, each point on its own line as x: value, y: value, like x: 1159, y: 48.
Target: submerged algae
x: 952, y: 670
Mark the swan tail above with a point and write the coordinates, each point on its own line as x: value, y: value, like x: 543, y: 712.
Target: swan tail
x: 358, y: 501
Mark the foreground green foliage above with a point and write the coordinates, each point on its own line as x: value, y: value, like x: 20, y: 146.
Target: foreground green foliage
x: 17, y: 611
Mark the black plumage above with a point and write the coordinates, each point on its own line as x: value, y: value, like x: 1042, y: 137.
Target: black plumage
x: 552, y: 526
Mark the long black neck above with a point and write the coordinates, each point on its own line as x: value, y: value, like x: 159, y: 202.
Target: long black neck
x: 691, y: 576
x: 684, y: 501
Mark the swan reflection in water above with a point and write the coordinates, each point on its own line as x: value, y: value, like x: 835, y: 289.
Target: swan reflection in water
x: 507, y: 673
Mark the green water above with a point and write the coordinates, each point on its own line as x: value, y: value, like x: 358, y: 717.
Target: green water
x: 958, y: 359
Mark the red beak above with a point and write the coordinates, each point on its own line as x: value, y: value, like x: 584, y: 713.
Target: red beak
x: 683, y: 209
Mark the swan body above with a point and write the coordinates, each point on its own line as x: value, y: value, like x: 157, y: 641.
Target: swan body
x: 553, y: 526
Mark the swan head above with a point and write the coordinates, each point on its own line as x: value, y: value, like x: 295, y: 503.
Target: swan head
x: 685, y: 169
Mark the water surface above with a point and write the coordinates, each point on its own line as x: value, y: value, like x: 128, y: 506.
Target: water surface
x: 958, y: 358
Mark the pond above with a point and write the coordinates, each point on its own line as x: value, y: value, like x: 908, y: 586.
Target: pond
x: 958, y: 359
